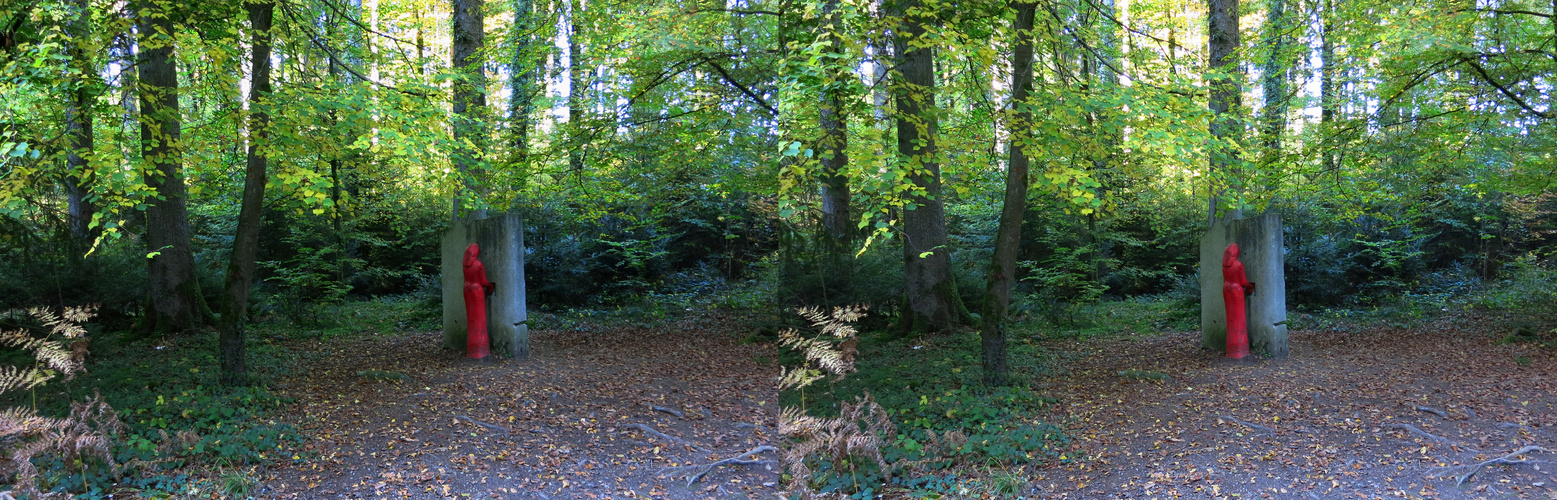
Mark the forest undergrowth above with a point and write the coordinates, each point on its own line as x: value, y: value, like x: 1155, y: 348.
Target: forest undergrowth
x: 677, y: 399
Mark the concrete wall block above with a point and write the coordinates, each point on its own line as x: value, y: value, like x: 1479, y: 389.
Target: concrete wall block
x: 501, y: 238
x: 1260, y: 247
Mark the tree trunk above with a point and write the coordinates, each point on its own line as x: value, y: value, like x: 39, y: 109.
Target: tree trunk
x: 1327, y: 104
x: 522, y: 71
x: 470, y: 101
x: 1226, y: 94
x: 78, y: 127
x: 575, y: 91
x: 930, y: 291
x: 1008, y: 239
x: 1275, y: 79
x: 837, y: 222
x: 245, y: 243
x: 174, y: 303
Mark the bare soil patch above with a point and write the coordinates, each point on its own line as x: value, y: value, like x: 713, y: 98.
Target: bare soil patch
x: 1382, y: 413
x: 610, y: 413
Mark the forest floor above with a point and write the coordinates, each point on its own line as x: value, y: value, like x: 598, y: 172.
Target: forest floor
x: 619, y: 412
x: 1376, y: 412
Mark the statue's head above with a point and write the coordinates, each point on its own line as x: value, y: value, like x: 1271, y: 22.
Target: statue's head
x: 1230, y: 255
x: 470, y: 254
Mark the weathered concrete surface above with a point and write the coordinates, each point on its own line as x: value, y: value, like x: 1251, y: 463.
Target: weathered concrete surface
x: 1259, y: 242
x: 501, y: 238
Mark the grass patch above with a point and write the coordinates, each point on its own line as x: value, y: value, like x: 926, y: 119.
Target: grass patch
x: 1147, y: 315
x: 186, y: 432
x: 179, y: 421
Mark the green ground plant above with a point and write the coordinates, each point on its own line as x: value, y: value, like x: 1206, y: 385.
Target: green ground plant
x: 922, y: 408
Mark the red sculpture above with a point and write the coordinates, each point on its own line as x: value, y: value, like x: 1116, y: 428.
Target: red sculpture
x: 1234, y: 286
x: 476, y: 290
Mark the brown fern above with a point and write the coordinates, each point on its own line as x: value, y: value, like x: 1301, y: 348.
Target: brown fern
x: 89, y: 428
x: 860, y: 427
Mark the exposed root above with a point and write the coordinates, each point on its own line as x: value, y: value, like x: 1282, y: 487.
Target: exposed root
x: 1420, y: 432
x: 1435, y: 411
x: 494, y: 427
x: 663, y: 436
x: 1503, y: 460
x: 741, y: 459
x: 1506, y: 425
x: 1247, y: 424
x: 671, y: 411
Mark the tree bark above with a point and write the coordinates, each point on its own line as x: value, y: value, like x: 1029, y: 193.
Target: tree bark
x: 1275, y: 79
x: 930, y: 291
x: 1008, y: 239
x: 575, y: 91
x: 174, y: 304
x: 245, y: 243
x: 78, y: 128
x: 837, y: 222
x: 522, y: 80
x: 470, y: 101
x: 1327, y: 62
x: 1226, y: 95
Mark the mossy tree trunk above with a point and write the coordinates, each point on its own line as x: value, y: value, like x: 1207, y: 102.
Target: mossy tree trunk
x: 929, y: 288
x: 174, y: 302
x: 245, y: 244
x: 1008, y: 239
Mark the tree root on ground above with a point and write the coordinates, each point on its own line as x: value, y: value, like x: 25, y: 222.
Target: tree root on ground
x: 1425, y: 434
x: 671, y: 411
x: 1506, y: 425
x: 735, y: 460
x: 1503, y: 460
x: 1247, y: 424
x: 1435, y: 411
x: 663, y: 436
x: 494, y: 427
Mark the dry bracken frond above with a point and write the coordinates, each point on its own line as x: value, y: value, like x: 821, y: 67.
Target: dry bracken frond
x: 85, y: 433
x: 832, y: 350
x: 859, y: 430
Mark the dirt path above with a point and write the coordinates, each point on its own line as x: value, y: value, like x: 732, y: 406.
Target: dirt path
x: 1390, y: 413
x: 1387, y: 413
x: 567, y: 423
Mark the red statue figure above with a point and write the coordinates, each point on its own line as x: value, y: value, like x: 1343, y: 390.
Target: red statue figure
x: 1234, y: 286
x: 476, y: 290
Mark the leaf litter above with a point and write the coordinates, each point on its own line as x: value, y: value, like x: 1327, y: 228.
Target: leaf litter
x: 1438, y: 411
x: 622, y: 412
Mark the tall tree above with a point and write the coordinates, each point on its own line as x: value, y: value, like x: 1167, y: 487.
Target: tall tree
x: 523, y: 76
x: 837, y: 223
x: 245, y: 242
x: 78, y: 122
x: 1008, y: 239
x: 470, y: 101
x: 1226, y: 91
x: 174, y: 297
x: 1274, y: 78
x: 930, y: 291
x: 575, y: 90
x: 1327, y: 98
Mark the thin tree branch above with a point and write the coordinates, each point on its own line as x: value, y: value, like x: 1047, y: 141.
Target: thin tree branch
x: 1511, y: 95
x: 1104, y: 60
x: 1508, y: 11
x: 742, y: 88
x: 337, y: 60
x: 735, y: 11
